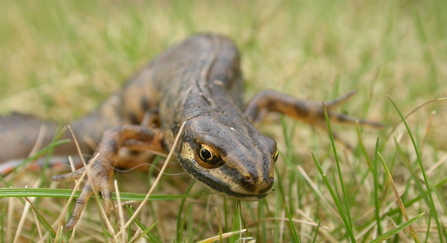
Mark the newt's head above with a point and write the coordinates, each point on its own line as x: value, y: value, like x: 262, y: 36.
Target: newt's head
x: 229, y: 155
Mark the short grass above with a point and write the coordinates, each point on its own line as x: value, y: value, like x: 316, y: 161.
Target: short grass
x: 59, y: 59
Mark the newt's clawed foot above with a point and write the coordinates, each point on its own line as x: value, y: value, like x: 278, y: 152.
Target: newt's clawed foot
x: 343, y: 118
x: 99, y: 180
x: 100, y: 169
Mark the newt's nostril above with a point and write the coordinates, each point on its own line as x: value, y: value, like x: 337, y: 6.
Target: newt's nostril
x: 249, y: 182
x: 248, y: 179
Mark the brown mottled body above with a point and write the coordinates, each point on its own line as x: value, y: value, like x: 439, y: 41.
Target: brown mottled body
x: 199, y: 83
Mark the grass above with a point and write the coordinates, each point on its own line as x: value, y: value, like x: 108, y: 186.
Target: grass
x: 60, y: 59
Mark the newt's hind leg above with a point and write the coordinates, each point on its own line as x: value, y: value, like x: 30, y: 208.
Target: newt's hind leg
x: 311, y: 112
x: 100, y: 172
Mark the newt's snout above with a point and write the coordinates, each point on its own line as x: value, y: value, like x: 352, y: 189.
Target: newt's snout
x: 258, y: 185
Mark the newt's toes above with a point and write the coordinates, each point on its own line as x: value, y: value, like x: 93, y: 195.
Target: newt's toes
x: 71, y: 223
x: 81, y: 202
x: 107, y: 200
x: 69, y: 176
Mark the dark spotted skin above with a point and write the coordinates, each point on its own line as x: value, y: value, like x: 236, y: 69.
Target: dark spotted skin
x: 197, y: 83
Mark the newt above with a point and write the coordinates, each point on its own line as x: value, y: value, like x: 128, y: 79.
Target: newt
x: 198, y: 82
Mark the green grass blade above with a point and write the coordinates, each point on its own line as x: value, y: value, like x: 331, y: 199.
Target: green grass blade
x: 336, y: 200
x: 38, y: 154
x: 399, y: 200
x: 237, y: 223
x: 65, y: 193
x: 295, y: 237
x: 428, y: 184
x: 347, y: 210
x: 42, y: 219
x: 314, y: 239
x: 414, y: 200
x: 375, y: 174
x: 396, y: 230
x: 180, y: 221
x: 428, y: 228
x: 142, y: 227
x: 146, y: 232
x: 363, y: 148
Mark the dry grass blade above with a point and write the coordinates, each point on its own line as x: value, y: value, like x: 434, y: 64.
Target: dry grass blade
x: 222, y: 236
x: 286, y: 219
x: 403, y: 238
x: 75, y: 188
x: 21, y: 223
x: 324, y: 200
x: 36, y: 219
x: 120, y: 209
x: 23, y: 218
x: 57, y: 237
x: 397, y: 196
x: 436, y: 165
x: 140, y: 207
x: 413, y: 111
x: 78, y: 148
x: 9, y: 220
x: 40, y: 137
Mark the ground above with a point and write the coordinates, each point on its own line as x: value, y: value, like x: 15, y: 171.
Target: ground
x: 60, y: 59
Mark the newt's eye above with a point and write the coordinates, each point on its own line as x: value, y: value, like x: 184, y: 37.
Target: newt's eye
x: 205, y: 154
x: 208, y: 157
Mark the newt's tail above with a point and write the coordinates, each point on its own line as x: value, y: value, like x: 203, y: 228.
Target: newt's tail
x: 21, y: 136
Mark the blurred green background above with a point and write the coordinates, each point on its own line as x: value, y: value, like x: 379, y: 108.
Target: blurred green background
x: 71, y: 53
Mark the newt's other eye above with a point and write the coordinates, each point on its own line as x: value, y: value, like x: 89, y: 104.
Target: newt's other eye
x: 208, y: 157
x: 275, y: 156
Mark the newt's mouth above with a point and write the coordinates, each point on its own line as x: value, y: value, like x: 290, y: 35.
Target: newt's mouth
x: 245, y: 197
x: 224, y: 188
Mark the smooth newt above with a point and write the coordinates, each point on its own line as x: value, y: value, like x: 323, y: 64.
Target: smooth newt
x: 198, y: 82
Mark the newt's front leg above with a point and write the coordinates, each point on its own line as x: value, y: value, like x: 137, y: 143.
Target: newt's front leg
x: 100, y: 172
x: 311, y: 112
